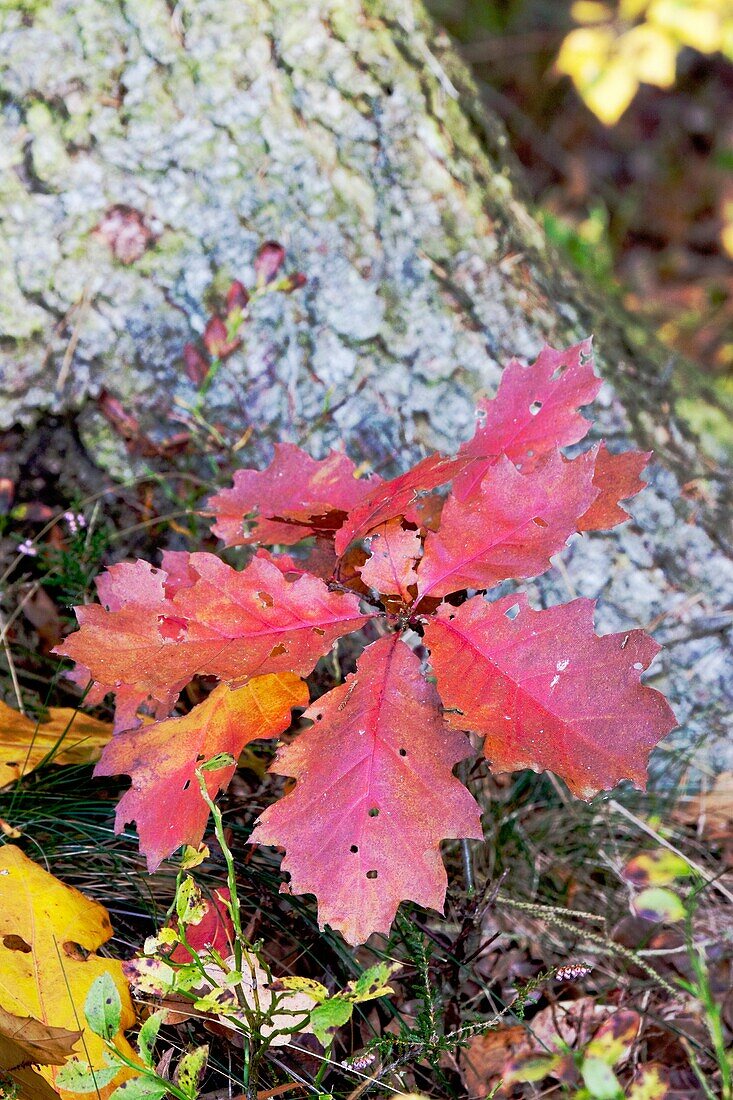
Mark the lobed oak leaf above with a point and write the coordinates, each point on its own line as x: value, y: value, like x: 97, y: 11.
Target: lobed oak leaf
x: 535, y: 411
x: 374, y: 796
x: 393, y: 556
x: 66, y: 736
x: 228, y: 624
x: 162, y: 758
x: 509, y: 528
x: 396, y: 498
x: 546, y: 692
x: 320, y: 562
x: 296, y: 496
x: 45, y: 976
x: 617, y: 477
x: 127, y: 585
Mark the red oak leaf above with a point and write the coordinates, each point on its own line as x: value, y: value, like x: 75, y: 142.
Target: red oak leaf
x: 547, y: 693
x: 162, y: 758
x: 535, y: 411
x: 396, y: 498
x: 136, y: 585
x: 617, y: 478
x: 296, y: 496
x: 178, y: 569
x: 228, y: 624
x: 394, y: 553
x: 374, y: 797
x: 510, y: 528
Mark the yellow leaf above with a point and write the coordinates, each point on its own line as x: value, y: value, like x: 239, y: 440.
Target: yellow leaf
x: 650, y: 1083
x: 590, y: 11
x: 694, y: 23
x: 48, y: 935
x: 606, y: 84
x: 629, y: 10
x: 24, y: 743
x: 656, y: 868
x: 650, y: 54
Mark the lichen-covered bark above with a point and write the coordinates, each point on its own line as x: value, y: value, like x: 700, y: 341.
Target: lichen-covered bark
x: 348, y: 131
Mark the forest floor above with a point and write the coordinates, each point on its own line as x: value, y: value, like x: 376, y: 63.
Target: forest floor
x: 549, y: 935
x: 548, y: 932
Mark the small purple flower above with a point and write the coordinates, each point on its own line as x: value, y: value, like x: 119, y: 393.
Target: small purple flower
x: 76, y: 521
x: 28, y: 549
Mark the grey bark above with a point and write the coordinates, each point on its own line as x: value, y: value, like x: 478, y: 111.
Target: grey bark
x: 347, y: 130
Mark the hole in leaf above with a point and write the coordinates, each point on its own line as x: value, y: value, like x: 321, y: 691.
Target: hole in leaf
x: 17, y: 943
x: 279, y: 650
x: 535, y: 407
x: 403, y: 752
x: 200, y: 757
x: 638, y: 666
x: 512, y: 612
x: 354, y: 848
x: 374, y: 812
x: 75, y: 951
x: 265, y: 599
x: 558, y: 372
x: 540, y: 521
x: 187, y: 784
x: 372, y: 874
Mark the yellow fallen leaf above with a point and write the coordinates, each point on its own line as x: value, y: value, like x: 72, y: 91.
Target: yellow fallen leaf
x: 72, y: 737
x: 49, y: 933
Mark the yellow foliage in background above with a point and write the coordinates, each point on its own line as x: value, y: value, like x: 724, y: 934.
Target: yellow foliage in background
x: 612, y: 52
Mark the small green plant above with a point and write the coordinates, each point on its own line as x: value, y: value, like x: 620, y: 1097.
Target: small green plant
x: 203, y: 962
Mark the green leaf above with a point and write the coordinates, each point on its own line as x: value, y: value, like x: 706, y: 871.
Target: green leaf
x: 371, y: 984
x: 77, y: 1076
x: 103, y: 1007
x: 141, y: 1088
x: 658, y: 904
x: 190, y: 905
x: 615, y: 1037
x: 651, y: 1082
x: 600, y: 1080
x: 309, y: 986
x: 530, y: 1067
x: 328, y: 1017
x: 148, y: 1035
x: 190, y: 1068
x: 221, y: 760
x: 656, y: 868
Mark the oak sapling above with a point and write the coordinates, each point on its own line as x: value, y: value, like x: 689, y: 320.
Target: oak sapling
x: 375, y: 791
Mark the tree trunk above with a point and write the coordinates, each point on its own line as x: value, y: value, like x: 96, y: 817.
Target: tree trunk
x: 348, y: 131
